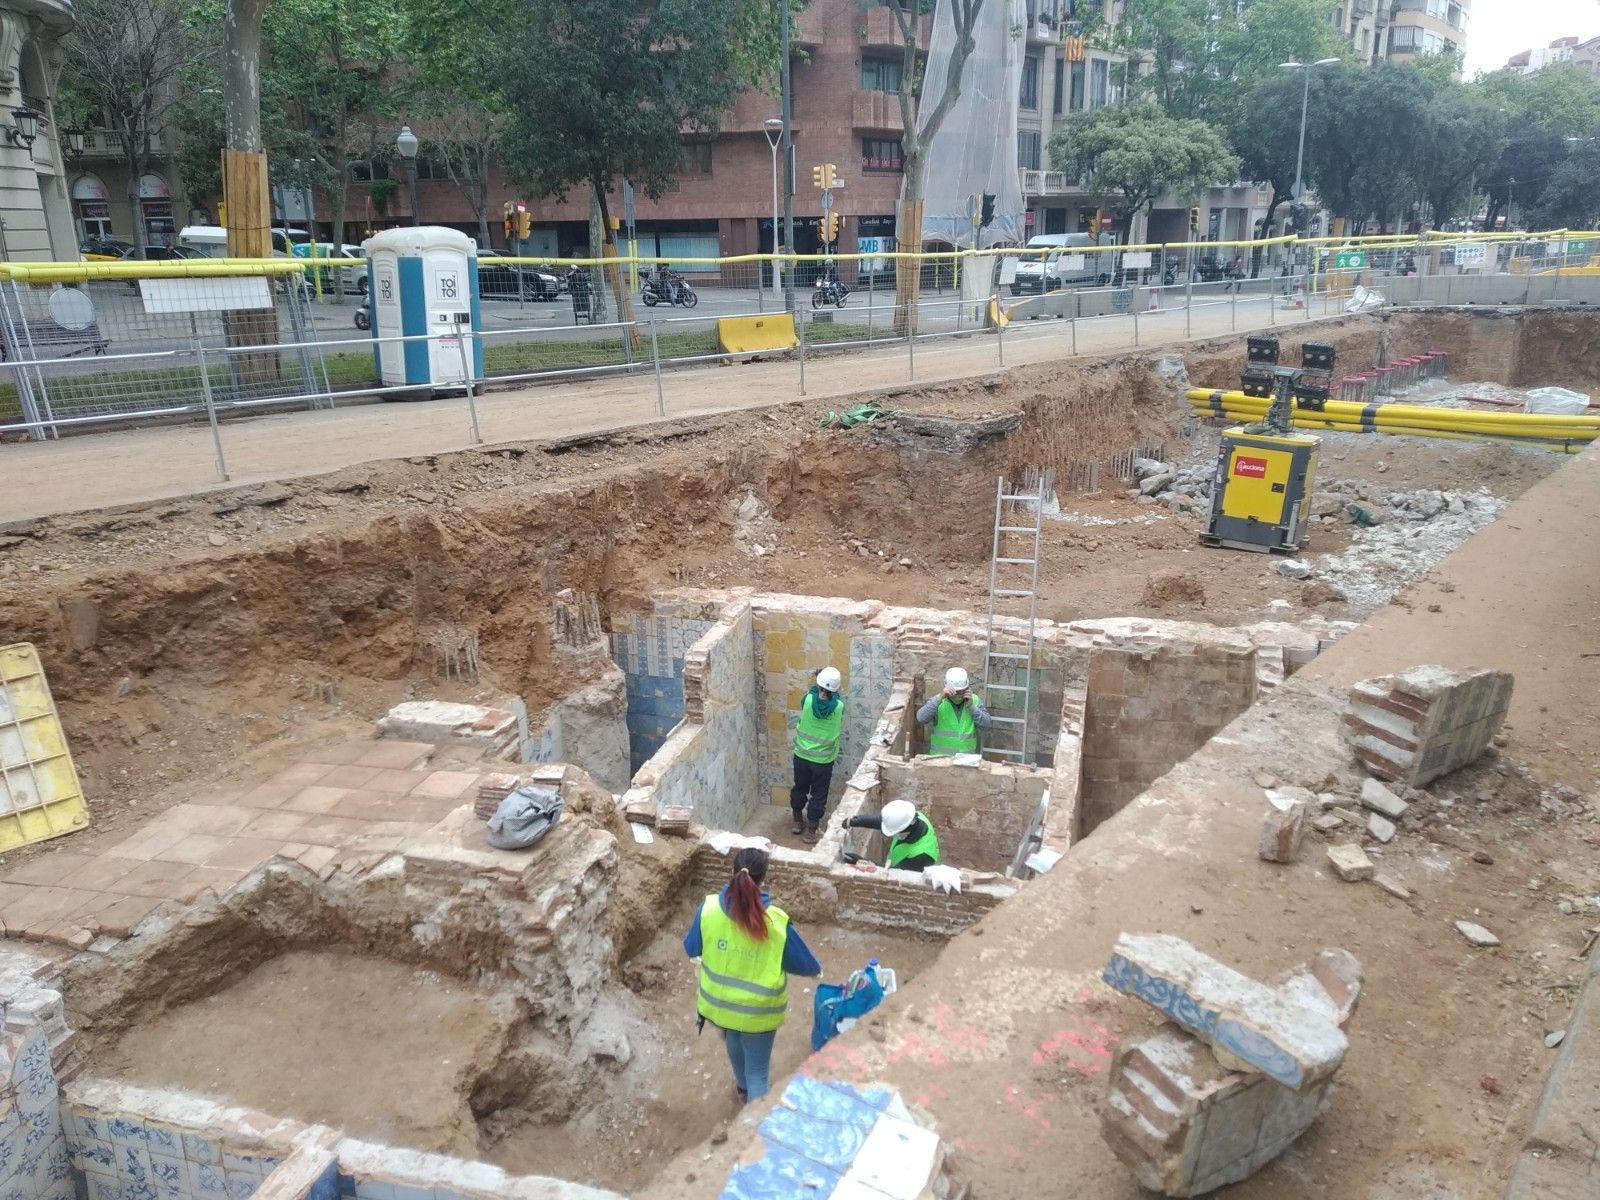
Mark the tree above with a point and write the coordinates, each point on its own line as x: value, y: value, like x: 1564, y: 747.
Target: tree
x: 1465, y: 135
x: 1203, y: 55
x: 602, y: 94
x: 1542, y: 110
x: 1130, y: 154
x: 922, y: 113
x: 1355, y: 174
x: 1266, y: 137
x: 124, y: 59
x: 1570, y: 200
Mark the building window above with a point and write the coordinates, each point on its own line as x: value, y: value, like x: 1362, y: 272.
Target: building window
x: 695, y: 159
x: 1028, y: 149
x: 881, y: 74
x: 361, y: 172
x: 1099, y: 83
x: 1077, y: 87
x: 1030, y: 82
x: 1060, y: 89
x: 1405, y: 39
x: 882, y: 154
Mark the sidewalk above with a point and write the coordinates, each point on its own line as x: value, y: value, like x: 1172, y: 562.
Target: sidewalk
x: 97, y: 470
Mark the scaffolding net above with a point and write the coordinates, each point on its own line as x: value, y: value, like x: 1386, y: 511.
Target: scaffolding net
x: 974, y: 152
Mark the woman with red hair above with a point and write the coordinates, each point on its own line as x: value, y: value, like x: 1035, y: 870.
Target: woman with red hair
x: 747, y: 949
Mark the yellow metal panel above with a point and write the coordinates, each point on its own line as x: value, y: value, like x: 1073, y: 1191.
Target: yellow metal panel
x: 1252, y: 473
x: 40, y: 795
x: 742, y: 335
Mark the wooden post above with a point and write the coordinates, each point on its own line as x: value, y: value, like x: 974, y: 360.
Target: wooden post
x: 908, y: 271
x: 244, y: 191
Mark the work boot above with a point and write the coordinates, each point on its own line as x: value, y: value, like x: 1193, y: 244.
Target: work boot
x: 796, y: 825
x: 811, y: 837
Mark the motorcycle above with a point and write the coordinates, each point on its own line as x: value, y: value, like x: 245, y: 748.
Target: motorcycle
x: 668, y: 289
x: 364, y: 313
x: 829, y: 291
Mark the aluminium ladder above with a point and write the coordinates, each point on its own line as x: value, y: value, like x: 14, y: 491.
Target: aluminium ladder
x: 1008, y: 672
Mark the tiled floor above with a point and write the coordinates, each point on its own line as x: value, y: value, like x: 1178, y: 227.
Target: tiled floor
x: 357, y: 799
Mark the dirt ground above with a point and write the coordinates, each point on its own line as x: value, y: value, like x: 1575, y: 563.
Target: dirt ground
x: 410, y: 1036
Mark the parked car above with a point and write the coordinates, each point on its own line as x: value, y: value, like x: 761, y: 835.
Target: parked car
x: 348, y: 260
x: 104, y: 249
x: 169, y: 253
x: 498, y: 279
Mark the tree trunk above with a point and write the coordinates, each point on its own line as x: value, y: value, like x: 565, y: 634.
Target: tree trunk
x: 597, y: 219
x: 908, y: 271
x: 608, y: 250
x: 244, y: 185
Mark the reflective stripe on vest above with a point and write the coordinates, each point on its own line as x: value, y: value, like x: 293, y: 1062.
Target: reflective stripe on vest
x: 742, y: 983
x: 816, y: 739
x: 928, y: 843
x: 954, y: 731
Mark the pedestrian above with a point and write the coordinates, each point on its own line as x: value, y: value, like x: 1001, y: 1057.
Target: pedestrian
x: 816, y: 749
x: 1235, y: 274
x: 747, y: 949
x: 913, y: 845
x: 956, y: 716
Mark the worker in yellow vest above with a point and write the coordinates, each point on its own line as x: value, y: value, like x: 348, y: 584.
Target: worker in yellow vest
x: 747, y: 949
x: 913, y: 844
x: 956, y: 716
x: 816, y: 749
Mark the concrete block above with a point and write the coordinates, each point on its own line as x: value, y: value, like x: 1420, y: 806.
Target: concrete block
x: 1282, y: 827
x: 1351, y: 862
x: 1426, y: 722
x: 1248, y: 1025
x: 491, y: 729
x: 1382, y: 801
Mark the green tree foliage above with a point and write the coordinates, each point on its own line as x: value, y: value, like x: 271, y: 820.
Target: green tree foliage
x: 1542, y: 110
x: 1130, y: 154
x: 1205, y: 56
x: 1571, y: 200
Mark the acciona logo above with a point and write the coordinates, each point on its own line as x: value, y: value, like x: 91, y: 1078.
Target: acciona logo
x: 1254, y: 468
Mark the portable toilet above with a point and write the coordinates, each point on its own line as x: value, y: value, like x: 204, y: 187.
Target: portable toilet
x: 424, y: 281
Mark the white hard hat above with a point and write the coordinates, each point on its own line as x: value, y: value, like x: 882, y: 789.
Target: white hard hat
x: 956, y: 680
x: 897, y: 817
x: 828, y: 679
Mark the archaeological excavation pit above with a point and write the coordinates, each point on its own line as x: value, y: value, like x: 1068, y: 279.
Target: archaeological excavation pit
x: 533, y: 1014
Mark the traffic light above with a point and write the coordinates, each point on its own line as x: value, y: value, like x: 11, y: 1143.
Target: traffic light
x: 986, y: 211
x: 817, y: 177
x: 830, y: 231
x: 824, y: 176
x: 524, y: 224
x: 1194, y: 217
x: 510, y: 227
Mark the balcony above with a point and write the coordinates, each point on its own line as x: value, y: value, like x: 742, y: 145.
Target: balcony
x: 103, y: 143
x: 1043, y: 22
x: 875, y: 112
x: 1047, y: 183
x: 881, y: 31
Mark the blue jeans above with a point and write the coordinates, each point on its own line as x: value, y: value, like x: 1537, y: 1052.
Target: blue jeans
x: 751, y: 1056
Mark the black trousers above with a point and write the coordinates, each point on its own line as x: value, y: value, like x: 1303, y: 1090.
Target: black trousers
x: 810, y: 790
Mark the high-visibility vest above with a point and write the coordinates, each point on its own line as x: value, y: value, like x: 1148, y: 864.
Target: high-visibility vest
x: 816, y: 739
x: 954, y: 731
x: 742, y: 983
x: 928, y: 843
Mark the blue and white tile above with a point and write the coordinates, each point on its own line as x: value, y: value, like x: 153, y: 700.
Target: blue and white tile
x: 779, y: 1174
x: 170, y: 1176
x: 163, y: 1139
x: 242, y: 1187
x: 103, y: 1187
x: 132, y: 1163
x: 206, y: 1181
x: 124, y: 1132
x: 200, y: 1149
x: 95, y: 1155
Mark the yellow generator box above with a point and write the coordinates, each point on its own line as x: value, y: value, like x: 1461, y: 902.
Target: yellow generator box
x: 1261, y: 492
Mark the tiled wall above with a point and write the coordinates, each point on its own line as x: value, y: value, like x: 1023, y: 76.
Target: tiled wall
x: 33, y: 1150
x: 122, y: 1155
x: 980, y: 813
x: 794, y: 639
x: 650, y: 651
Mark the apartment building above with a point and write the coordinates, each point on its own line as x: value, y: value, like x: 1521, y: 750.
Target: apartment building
x: 1401, y: 30
x: 1584, y: 54
x: 103, y: 204
x: 35, y: 220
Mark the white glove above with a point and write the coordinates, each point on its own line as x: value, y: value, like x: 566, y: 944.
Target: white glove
x: 946, y: 879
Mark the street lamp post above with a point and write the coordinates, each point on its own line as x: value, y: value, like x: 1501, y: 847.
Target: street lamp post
x: 1305, y: 105
x: 1511, y: 184
x: 773, y: 128
x: 406, y: 146
x: 787, y: 146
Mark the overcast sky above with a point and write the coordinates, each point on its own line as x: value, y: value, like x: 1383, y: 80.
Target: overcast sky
x: 1501, y: 28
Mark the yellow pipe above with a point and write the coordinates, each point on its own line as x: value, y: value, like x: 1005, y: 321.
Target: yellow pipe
x: 1413, y: 413
x: 1508, y: 422
x: 1309, y: 420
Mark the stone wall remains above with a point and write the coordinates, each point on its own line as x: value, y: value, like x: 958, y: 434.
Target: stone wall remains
x: 981, y: 813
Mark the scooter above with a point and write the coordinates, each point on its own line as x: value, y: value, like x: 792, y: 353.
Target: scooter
x: 669, y: 289
x: 829, y: 291
x: 364, y: 313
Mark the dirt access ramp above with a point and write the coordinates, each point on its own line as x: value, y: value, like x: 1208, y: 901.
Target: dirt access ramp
x: 1008, y: 1038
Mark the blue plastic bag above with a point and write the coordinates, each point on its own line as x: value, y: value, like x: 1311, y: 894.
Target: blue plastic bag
x: 834, y: 1002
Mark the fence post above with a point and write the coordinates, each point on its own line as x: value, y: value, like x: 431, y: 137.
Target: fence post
x: 911, y: 344
x: 463, y: 335
x: 1307, y: 293
x: 655, y: 360
x: 999, y: 335
x: 1233, y: 308
x: 1188, y: 295
x: 800, y: 334
x: 1135, y: 324
x: 211, y: 408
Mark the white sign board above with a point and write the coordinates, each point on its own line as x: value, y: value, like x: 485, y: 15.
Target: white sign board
x: 1134, y: 260
x: 196, y: 294
x: 1008, y: 271
x: 1073, y: 262
x: 1469, y: 256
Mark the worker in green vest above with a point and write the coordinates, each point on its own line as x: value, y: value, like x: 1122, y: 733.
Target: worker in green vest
x: 956, y: 716
x: 816, y: 749
x: 747, y: 949
x: 913, y: 845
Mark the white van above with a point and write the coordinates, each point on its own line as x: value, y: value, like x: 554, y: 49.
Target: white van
x: 212, y: 240
x: 1067, y: 265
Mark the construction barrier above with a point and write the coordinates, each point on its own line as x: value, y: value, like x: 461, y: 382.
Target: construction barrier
x: 746, y: 335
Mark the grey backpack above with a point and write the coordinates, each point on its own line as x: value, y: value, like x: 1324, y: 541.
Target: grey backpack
x: 524, y: 817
